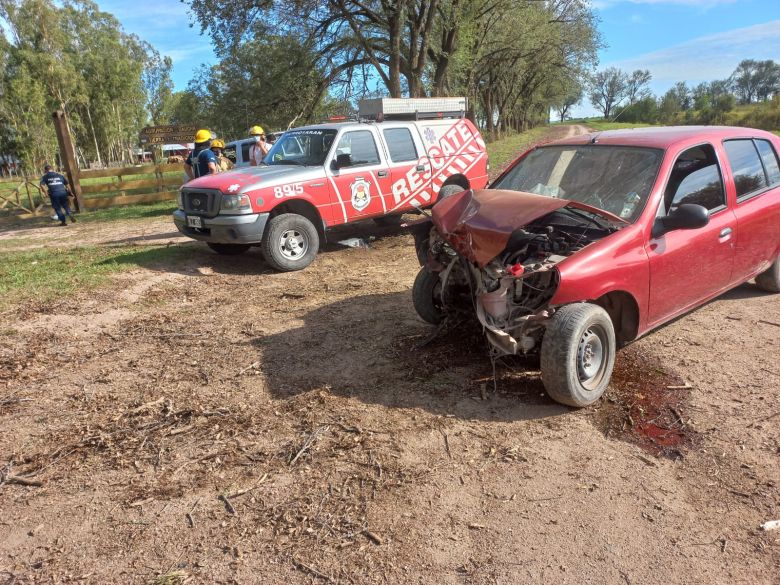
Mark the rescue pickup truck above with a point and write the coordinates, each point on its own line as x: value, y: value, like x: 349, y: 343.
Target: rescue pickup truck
x: 413, y: 153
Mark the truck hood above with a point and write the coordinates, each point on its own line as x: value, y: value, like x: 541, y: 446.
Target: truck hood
x: 478, y: 224
x: 247, y: 179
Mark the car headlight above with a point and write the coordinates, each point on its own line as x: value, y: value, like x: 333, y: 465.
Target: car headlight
x: 235, y: 204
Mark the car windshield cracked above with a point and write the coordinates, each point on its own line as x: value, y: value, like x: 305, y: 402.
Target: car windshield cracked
x: 616, y: 179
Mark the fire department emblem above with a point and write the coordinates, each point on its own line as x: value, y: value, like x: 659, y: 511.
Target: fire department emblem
x: 361, y: 194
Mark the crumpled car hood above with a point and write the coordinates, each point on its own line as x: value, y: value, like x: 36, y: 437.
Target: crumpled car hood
x: 478, y: 224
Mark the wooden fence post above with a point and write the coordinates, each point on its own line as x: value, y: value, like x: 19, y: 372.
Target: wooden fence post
x: 67, y: 156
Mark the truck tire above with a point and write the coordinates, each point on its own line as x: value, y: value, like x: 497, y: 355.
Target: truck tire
x: 290, y: 242
x: 448, y: 191
x: 425, y: 296
x: 578, y: 354
x: 769, y: 280
x: 228, y: 249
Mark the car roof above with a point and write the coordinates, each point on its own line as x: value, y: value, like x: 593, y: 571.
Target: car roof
x: 665, y: 136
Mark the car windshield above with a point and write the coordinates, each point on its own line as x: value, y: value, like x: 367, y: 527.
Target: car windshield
x: 301, y: 147
x: 616, y: 179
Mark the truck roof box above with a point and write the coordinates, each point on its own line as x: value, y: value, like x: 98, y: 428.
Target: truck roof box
x: 379, y: 109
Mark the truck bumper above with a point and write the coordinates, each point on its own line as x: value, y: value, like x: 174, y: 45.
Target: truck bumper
x: 224, y: 229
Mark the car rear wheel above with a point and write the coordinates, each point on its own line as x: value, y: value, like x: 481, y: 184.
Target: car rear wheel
x: 228, y: 249
x: 769, y: 280
x: 290, y: 242
x: 578, y: 354
x: 426, y: 296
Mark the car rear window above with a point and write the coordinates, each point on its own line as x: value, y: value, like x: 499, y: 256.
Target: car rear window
x: 400, y: 144
x: 769, y: 158
x: 746, y: 166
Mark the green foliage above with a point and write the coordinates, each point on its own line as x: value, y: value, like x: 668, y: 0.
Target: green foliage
x: 502, y: 152
x: 73, y: 57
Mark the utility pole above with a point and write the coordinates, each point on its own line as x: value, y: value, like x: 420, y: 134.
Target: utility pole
x: 67, y: 156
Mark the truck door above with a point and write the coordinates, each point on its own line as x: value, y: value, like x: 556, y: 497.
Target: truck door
x: 409, y: 168
x: 358, y: 173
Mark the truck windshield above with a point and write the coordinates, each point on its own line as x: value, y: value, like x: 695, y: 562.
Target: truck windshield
x: 617, y: 179
x: 301, y: 147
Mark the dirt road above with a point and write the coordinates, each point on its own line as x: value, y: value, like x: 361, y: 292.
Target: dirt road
x: 215, y: 420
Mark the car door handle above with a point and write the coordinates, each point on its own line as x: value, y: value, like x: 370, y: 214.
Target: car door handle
x: 382, y: 173
x: 420, y: 168
x: 725, y: 232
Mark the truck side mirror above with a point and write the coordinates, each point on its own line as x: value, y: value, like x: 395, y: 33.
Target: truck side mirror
x: 342, y: 160
x: 687, y: 216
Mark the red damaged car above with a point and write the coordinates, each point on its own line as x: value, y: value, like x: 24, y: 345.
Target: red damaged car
x: 585, y: 244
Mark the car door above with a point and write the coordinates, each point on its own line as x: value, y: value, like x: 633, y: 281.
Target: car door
x: 361, y: 179
x: 409, y: 169
x: 755, y: 173
x: 689, y: 266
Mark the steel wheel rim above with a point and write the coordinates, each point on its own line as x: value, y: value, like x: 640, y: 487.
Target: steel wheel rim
x: 293, y: 244
x: 592, y: 356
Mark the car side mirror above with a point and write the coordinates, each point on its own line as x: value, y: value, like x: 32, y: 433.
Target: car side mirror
x: 688, y: 216
x: 342, y: 160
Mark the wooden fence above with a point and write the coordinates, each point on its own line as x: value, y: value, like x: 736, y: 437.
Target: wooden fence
x: 22, y: 197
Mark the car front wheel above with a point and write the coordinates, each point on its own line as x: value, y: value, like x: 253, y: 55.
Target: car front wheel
x: 769, y: 280
x: 426, y: 296
x: 290, y: 242
x: 578, y: 354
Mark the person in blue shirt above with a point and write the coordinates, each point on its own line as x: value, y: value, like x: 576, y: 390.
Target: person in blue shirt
x: 58, y: 188
x: 196, y: 167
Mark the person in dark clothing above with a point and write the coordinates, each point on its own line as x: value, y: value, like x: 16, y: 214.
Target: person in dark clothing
x: 58, y: 188
x: 196, y: 167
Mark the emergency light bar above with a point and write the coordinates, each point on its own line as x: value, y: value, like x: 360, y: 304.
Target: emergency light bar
x: 379, y: 109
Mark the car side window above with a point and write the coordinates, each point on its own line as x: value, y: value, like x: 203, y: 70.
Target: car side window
x: 746, y: 166
x: 400, y: 144
x: 769, y: 158
x: 230, y: 153
x: 695, y: 178
x: 360, y: 146
x: 245, y: 151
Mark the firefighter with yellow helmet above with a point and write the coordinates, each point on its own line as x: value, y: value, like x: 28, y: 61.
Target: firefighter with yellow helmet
x: 223, y: 162
x: 201, y: 160
x: 260, y: 148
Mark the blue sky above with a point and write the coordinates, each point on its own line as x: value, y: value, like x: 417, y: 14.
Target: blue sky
x: 677, y: 40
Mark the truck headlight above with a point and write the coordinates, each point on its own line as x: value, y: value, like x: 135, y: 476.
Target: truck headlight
x: 235, y: 204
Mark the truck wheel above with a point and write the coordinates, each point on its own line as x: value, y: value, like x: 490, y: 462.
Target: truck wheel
x: 578, y: 354
x: 448, y: 191
x: 290, y: 242
x: 426, y: 296
x: 228, y: 249
x: 769, y: 280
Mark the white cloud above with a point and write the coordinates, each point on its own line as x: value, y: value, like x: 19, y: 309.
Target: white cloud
x: 709, y: 57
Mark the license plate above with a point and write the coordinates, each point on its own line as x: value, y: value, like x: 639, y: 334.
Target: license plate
x: 194, y: 221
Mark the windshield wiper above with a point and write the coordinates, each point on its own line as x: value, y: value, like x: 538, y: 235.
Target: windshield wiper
x: 582, y: 214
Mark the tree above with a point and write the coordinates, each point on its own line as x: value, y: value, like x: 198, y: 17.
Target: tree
x: 755, y: 80
x: 637, y: 85
x: 571, y: 96
x: 607, y: 89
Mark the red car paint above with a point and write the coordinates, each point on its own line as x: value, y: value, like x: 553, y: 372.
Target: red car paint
x: 670, y: 275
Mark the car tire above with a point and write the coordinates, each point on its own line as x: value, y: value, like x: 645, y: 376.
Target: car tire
x: 448, y: 191
x: 574, y: 336
x: 228, y: 249
x: 290, y: 242
x: 769, y: 280
x: 387, y: 221
x: 426, y: 297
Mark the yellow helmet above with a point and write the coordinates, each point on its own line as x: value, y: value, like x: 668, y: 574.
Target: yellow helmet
x: 202, y: 135
x: 217, y: 143
x: 256, y: 131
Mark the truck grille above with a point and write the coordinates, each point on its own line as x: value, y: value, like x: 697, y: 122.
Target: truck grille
x: 201, y: 201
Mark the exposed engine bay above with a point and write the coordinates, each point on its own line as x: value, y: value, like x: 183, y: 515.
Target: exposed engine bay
x: 510, y: 293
